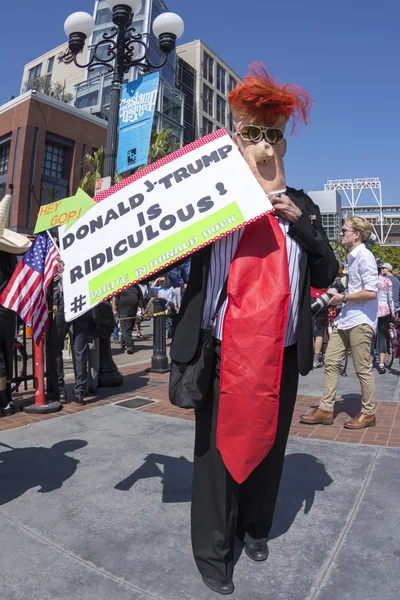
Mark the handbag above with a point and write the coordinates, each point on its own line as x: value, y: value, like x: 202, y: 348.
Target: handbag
x: 103, y: 321
x: 189, y: 382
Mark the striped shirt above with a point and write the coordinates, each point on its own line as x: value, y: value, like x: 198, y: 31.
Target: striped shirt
x: 222, y: 254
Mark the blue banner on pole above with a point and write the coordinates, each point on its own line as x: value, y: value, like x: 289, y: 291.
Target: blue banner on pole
x: 136, y: 115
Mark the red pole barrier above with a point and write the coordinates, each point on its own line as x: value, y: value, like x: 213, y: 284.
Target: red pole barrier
x: 40, y: 406
x: 38, y: 373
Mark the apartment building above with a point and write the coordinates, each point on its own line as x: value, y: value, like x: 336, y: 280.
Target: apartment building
x: 214, y: 80
x: 58, y: 67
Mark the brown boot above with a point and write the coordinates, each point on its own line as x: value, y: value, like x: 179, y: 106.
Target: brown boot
x: 361, y: 421
x: 317, y: 416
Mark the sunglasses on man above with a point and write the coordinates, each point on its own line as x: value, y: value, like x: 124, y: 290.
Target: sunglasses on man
x: 256, y: 133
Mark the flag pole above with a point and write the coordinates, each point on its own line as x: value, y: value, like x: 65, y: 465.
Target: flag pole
x: 41, y: 406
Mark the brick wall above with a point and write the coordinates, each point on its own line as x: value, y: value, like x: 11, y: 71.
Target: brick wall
x: 47, y: 118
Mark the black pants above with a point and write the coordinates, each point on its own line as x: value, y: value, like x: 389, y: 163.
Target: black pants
x: 127, y: 325
x: 381, y: 339
x: 222, y: 508
x: 7, y: 335
x: 80, y: 334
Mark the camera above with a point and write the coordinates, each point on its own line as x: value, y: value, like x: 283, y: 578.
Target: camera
x: 323, y: 300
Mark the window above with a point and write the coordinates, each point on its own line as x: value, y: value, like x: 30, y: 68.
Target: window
x: 208, y: 67
x: 208, y: 97
x: 56, y: 169
x: 4, y: 156
x: 207, y: 126
x: 221, y: 110
x: 231, y: 126
x: 90, y: 99
x: 50, y: 65
x: 103, y: 16
x: 172, y: 106
x: 54, y: 161
x: 221, y: 76
x: 232, y: 83
x: 35, y: 72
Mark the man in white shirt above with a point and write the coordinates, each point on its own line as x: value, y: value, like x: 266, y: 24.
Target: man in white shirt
x: 353, y: 329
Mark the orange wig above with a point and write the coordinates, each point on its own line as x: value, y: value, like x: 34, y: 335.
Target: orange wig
x: 260, y: 97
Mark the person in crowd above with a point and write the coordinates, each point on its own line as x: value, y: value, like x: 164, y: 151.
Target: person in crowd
x: 319, y: 323
x: 11, y: 244
x: 179, y: 276
x: 353, y: 329
x: 163, y: 289
x: 257, y: 359
x: 386, y: 310
x: 80, y: 329
x: 387, y: 270
x: 126, y: 305
x: 141, y: 311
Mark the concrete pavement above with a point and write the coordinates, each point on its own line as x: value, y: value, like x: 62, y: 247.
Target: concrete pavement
x: 95, y: 505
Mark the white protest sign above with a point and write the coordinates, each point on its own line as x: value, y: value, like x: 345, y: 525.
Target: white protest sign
x: 157, y: 216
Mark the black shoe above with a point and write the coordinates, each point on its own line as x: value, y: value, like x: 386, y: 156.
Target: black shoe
x: 221, y: 586
x: 79, y: 401
x: 8, y: 411
x: 63, y: 397
x: 257, y: 551
x: 130, y: 351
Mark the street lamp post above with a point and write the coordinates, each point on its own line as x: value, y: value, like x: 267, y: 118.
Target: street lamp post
x: 119, y: 50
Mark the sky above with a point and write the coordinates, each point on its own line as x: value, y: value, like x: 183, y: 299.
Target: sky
x: 345, y: 53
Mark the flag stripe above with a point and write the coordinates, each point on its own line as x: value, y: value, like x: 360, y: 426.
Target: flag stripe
x: 26, y: 290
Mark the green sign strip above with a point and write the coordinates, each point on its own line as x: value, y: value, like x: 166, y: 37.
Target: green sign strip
x: 63, y: 212
x: 155, y: 258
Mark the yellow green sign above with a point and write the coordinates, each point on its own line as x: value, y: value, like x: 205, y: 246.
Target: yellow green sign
x: 63, y: 212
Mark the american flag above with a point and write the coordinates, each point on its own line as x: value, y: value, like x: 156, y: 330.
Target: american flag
x: 26, y: 291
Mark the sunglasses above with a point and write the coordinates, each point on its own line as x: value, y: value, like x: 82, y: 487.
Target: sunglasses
x: 344, y: 231
x: 255, y: 133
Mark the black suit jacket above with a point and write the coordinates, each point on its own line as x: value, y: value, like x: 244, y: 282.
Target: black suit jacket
x: 318, y: 267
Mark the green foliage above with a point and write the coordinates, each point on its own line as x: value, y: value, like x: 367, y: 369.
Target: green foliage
x: 340, y: 252
x: 160, y: 146
x: 43, y: 84
x: 390, y: 254
x: 94, y: 170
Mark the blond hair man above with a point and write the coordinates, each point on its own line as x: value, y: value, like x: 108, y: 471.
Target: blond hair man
x: 353, y: 329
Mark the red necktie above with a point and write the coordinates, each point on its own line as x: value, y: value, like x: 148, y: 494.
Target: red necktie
x: 252, y: 347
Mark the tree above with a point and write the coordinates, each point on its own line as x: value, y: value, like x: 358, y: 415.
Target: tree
x: 389, y: 254
x: 160, y: 145
x: 43, y: 84
x: 340, y: 252
x: 95, y: 170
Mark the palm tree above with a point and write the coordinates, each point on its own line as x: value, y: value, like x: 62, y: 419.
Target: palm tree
x: 160, y: 145
x: 95, y: 169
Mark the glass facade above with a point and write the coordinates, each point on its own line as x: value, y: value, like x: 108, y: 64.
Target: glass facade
x: 221, y: 79
x: 55, y: 169
x: 4, y: 157
x: 208, y: 68
x: 4, y: 160
x: 330, y: 222
x: 221, y: 110
x: 232, y: 83
x: 208, y: 97
x: 207, y: 127
x: 186, y: 82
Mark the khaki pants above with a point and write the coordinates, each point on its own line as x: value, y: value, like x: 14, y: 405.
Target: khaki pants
x: 358, y: 339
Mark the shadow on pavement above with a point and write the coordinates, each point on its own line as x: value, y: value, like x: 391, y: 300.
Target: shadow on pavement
x: 175, y: 474
x: 303, y: 476
x: 350, y: 404
x: 47, y: 468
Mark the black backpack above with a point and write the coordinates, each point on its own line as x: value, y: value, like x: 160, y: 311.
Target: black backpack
x: 103, y: 321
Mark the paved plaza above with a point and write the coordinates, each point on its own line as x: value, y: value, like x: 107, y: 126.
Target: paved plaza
x: 95, y: 500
